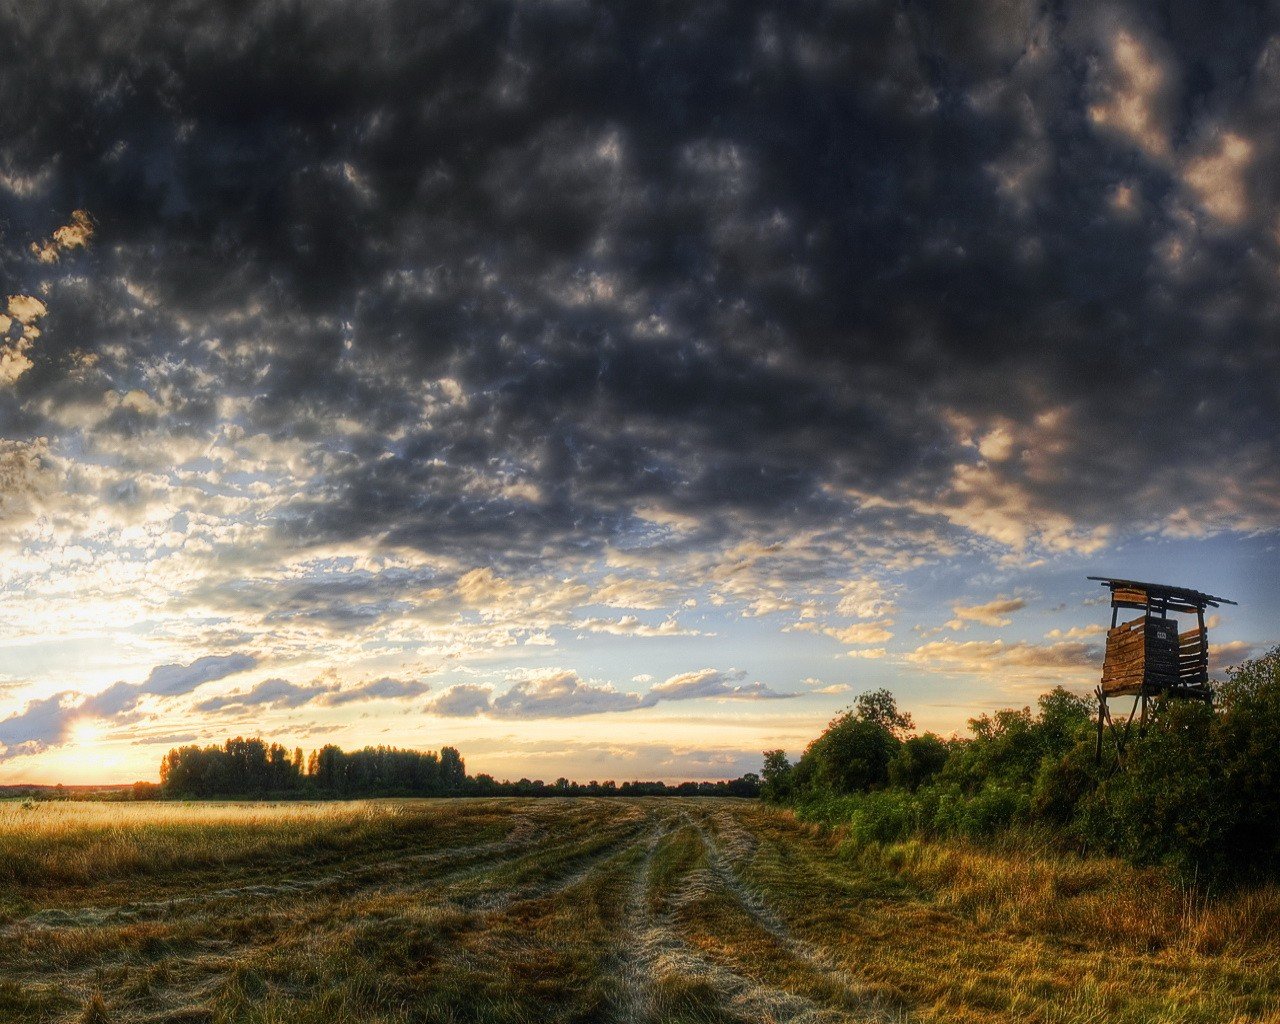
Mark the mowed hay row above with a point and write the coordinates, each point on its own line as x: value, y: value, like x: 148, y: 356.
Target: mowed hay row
x: 611, y: 910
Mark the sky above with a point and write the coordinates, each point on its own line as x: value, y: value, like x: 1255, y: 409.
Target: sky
x: 616, y: 390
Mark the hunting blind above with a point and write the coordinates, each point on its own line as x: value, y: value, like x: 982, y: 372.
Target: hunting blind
x: 1147, y: 657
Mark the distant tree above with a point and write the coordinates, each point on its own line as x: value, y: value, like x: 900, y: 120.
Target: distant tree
x: 776, y: 787
x: 453, y: 770
x: 880, y: 707
x: 251, y: 767
x: 852, y: 755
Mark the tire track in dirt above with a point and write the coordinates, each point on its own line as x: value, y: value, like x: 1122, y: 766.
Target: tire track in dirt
x: 549, y: 851
x: 739, y: 844
x: 658, y: 964
x: 587, y: 865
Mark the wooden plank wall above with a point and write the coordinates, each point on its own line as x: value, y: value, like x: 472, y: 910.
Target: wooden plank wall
x: 1193, y: 658
x: 1124, y: 668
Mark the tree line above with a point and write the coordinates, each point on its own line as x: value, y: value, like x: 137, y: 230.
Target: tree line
x: 252, y: 767
x: 1197, y: 789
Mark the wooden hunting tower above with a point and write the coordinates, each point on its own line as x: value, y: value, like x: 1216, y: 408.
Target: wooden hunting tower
x: 1148, y: 657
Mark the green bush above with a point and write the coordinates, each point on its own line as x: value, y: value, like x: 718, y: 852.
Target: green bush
x: 853, y: 753
x: 1199, y: 791
x: 918, y: 760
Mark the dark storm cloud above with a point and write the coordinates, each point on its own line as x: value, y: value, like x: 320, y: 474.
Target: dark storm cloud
x: 732, y: 258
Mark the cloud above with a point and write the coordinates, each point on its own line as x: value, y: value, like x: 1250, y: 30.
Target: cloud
x: 73, y: 235
x: 818, y: 686
x: 40, y: 725
x: 275, y: 694
x: 866, y: 598
x: 713, y: 683
x: 385, y: 688
x: 863, y: 633
x: 564, y: 694
x: 1225, y: 655
x: 560, y: 695
x: 630, y: 625
x: 1077, y: 632
x: 165, y: 681
x: 47, y: 723
x: 26, y: 482
x: 1133, y: 94
x: 495, y: 332
x: 1217, y: 177
x: 26, y: 309
x: 18, y: 332
x: 464, y: 700
x: 993, y: 613
x: 280, y: 694
x: 454, y: 309
x: 172, y: 680
x: 1018, y: 658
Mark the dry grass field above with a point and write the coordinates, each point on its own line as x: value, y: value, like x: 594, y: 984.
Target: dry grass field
x: 589, y: 910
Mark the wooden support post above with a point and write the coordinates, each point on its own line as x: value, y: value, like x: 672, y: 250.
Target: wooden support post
x: 1118, y: 737
x: 1128, y: 725
x: 1102, y: 711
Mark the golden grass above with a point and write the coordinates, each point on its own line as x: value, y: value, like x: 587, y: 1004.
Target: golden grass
x: 591, y: 910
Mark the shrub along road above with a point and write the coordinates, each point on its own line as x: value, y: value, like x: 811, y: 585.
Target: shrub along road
x: 589, y: 910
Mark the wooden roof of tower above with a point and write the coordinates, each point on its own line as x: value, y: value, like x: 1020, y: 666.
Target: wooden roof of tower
x: 1137, y: 594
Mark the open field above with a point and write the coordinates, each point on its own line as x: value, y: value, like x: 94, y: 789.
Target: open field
x: 589, y: 910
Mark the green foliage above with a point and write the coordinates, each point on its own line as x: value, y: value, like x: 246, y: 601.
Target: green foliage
x: 1011, y: 745
x: 777, y: 785
x: 918, y: 760
x: 1248, y: 742
x: 880, y: 707
x: 1199, y: 790
x: 937, y: 810
x: 1167, y: 805
x: 852, y: 755
x: 854, y: 752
